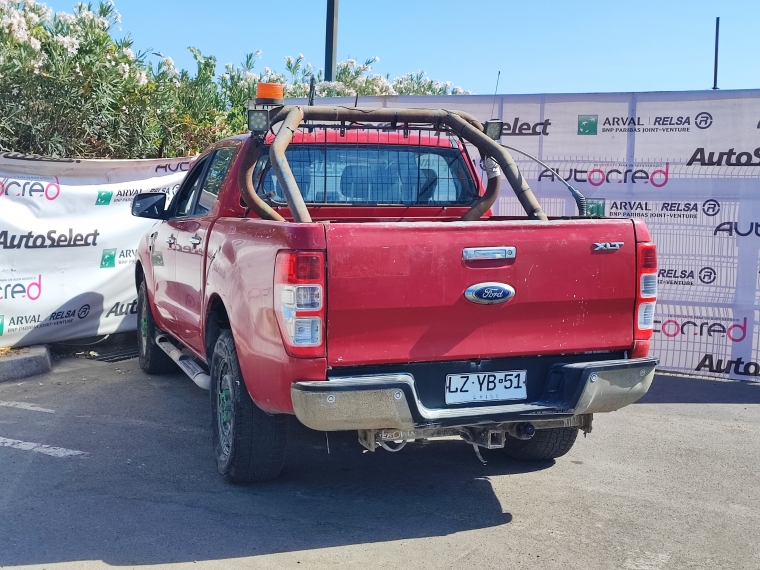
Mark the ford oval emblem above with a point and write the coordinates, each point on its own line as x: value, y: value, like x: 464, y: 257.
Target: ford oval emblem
x: 489, y: 293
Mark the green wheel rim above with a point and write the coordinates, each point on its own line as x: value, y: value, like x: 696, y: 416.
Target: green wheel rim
x: 143, y: 327
x: 225, y: 416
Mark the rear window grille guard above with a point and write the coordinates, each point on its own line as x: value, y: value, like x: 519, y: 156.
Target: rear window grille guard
x: 368, y: 173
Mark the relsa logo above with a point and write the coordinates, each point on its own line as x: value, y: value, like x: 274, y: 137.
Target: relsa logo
x: 672, y: 276
x: 711, y: 207
x: 28, y: 288
x: 703, y: 120
x: 668, y: 276
x: 687, y: 210
x: 708, y: 275
x: 30, y: 187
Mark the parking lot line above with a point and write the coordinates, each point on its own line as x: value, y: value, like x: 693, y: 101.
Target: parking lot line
x: 26, y: 406
x: 40, y: 448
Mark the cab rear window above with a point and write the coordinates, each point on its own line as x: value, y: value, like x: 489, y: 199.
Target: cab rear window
x: 372, y: 174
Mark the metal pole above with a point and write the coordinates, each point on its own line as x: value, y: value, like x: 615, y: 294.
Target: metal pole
x: 717, y: 30
x: 331, y: 40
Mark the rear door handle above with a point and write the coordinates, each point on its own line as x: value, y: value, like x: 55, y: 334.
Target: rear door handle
x: 195, y: 240
x: 498, y: 252
x: 171, y: 240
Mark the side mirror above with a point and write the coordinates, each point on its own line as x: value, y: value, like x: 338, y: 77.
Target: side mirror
x: 150, y: 205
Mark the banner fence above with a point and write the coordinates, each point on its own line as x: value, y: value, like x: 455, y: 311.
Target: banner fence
x: 688, y: 163
x: 67, y: 244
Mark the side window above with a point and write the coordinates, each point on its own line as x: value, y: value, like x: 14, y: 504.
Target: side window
x: 186, y: 196
x: 307, y: 164
x: 216, y: 173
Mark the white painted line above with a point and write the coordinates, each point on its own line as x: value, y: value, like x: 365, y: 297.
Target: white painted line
x: 39, y: 448
x: 25, y: 406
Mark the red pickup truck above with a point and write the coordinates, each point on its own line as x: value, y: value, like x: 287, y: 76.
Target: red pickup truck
x: 349, y: 270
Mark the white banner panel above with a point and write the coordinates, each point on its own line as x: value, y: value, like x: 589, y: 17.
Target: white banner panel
x: 67, y: 244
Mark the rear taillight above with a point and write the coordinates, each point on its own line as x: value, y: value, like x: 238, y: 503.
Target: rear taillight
x: 646, y: 294
x: 299, y: 287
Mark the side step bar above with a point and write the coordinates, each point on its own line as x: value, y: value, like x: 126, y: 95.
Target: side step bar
x: 185, y: 362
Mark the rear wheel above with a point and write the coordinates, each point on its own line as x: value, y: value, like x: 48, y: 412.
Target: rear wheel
x: 545, y: 444
x: 153, y: 360
x: 249, y: 444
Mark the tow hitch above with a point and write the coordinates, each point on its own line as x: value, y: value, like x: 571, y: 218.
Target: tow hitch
x: 490, y: 437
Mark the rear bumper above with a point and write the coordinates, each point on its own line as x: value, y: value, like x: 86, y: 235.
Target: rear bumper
x: 382, y: 401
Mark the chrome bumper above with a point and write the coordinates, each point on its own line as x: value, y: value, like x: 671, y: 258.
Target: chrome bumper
x: 391, y: 401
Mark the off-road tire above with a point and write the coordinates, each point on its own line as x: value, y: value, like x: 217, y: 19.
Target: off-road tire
x: 545, y: 444
x: 249, y: 444
x: 153, y: 360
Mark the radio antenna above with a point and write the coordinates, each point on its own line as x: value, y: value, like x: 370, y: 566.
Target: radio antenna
x: 498, y: 75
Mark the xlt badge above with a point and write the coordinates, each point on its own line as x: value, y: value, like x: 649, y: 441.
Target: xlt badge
x: 613, y: 245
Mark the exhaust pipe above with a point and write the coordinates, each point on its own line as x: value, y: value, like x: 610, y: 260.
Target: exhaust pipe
x: 186, y: 363
x: 522, y: 431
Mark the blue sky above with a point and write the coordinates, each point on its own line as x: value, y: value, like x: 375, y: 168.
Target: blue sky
x: 539, y: 47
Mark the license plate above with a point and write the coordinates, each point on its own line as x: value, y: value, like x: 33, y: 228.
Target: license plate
x: 486, y: 387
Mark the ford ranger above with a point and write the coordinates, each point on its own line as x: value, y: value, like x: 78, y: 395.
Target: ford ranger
x: 347, y: 268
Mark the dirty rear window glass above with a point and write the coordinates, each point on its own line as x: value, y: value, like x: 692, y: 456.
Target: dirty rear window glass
x: 372, y: 174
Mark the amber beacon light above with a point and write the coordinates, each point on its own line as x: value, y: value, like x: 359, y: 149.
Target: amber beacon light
x: 270, y: 94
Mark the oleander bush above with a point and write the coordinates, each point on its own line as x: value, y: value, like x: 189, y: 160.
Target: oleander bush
x: 69, y: 88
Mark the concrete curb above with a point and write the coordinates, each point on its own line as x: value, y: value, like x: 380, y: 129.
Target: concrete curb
x: 33, y: 361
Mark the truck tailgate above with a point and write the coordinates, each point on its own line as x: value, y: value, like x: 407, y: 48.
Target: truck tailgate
x: 395, y: 291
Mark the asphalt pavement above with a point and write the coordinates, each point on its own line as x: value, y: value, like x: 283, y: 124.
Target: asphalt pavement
x: 102, y: 465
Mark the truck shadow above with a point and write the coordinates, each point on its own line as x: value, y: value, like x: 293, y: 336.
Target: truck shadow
x: 168, y: 504
x: 683, y: 390
x: 78, y: 317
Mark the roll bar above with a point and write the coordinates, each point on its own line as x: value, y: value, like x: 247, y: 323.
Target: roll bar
x: 458, y: 122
